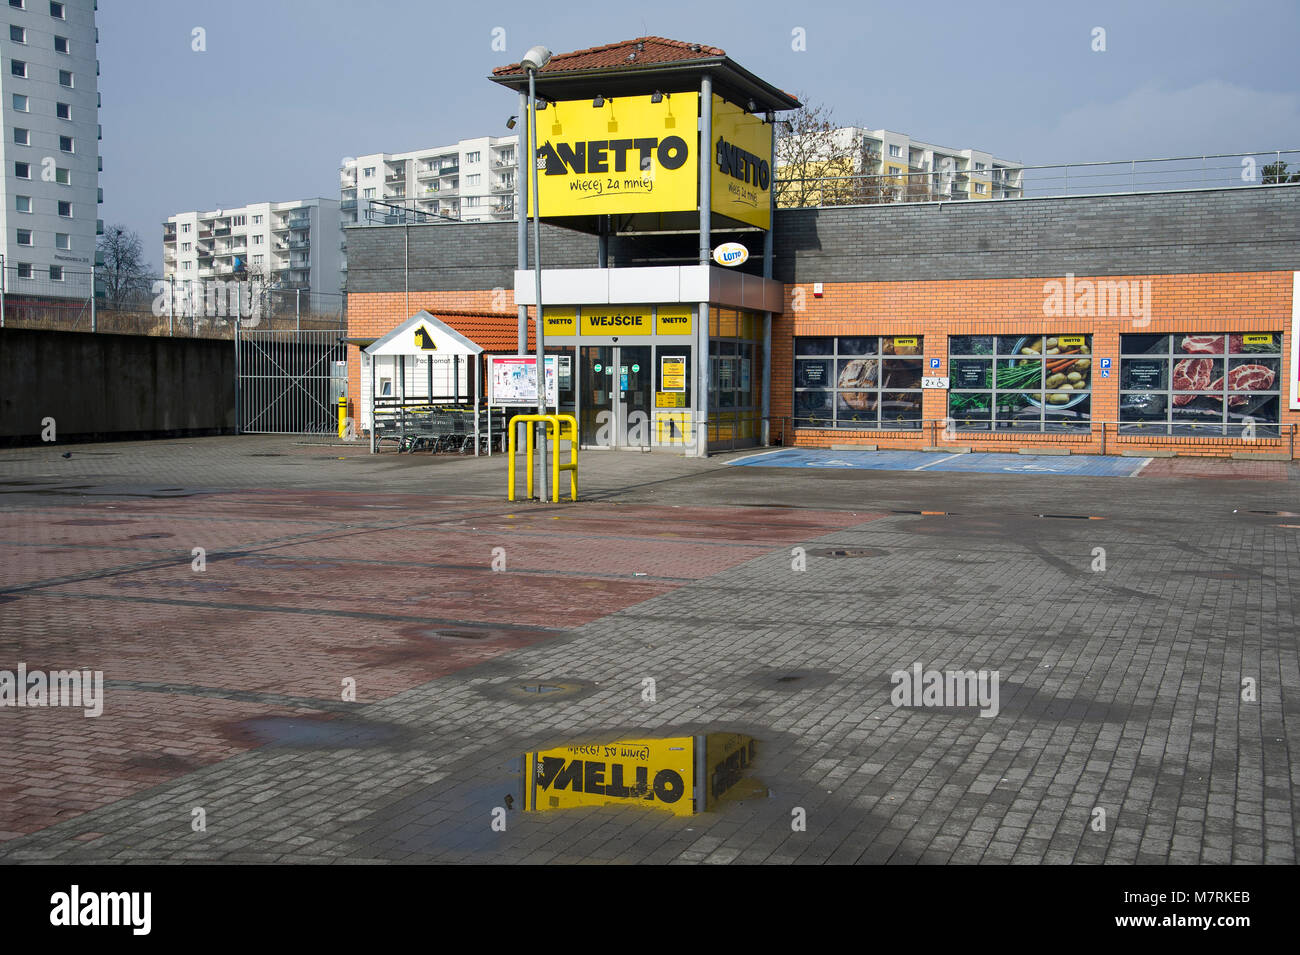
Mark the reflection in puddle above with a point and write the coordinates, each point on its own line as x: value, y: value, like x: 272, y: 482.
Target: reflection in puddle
x: 681, y: 775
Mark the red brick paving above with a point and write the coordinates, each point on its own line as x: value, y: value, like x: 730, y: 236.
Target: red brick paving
x: 382, y: 588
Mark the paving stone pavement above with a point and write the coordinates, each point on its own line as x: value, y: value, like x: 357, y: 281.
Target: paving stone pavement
x: 1119, y: 689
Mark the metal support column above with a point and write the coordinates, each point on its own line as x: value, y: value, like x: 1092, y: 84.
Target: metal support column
x: 701, y: 423
x: 521, y: 215
x: 767, y: 274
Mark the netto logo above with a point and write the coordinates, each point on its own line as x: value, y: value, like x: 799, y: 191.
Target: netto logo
x: 594, y: 155
x: 742, y: 164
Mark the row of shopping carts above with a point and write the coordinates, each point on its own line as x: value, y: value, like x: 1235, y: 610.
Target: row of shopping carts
x: 440, y: 428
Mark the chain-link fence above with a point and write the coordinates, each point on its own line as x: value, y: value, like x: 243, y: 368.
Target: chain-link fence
x: 60, y: 299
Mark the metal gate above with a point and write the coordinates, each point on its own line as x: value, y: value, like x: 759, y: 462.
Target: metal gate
x: 289, y: 381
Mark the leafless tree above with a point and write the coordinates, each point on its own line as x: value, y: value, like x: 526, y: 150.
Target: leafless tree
x: 125, y: 274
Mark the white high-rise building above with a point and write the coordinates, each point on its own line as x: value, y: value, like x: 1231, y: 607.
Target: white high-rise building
x: 291, y: 245
x: 470, y: 181
x: 50, y: 185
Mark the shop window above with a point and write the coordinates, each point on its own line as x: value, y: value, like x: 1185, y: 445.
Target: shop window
x: 1020, y: 382
x: 860, y: 381
x: 1225, y: 384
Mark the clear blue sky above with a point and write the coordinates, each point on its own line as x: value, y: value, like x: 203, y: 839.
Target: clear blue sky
x: 287, y: 88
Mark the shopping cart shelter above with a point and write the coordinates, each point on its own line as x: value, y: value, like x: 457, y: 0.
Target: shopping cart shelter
x: 693, y: 313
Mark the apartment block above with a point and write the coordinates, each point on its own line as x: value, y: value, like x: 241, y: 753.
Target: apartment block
x: 291, y: 245
x: 50, y: 150
x: 901, y: 168
x: 469, y: 181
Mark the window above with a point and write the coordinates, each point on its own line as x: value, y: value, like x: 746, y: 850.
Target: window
x: 65, y: 209
x: 63, y: 110
x: 65, y: 144
x: 257, y: 220
x: 23, y: 170
x: 17, y: 34
x: 56, y: 273
x: 185, y: 227
x: 187, y: 246
x: 17, y: 67
x: 61, y: 241
x: 1020, y: 382
x: 65, y: 78
x: 895, y: 170
x: 979, y: 167
x: 22, y: 136
x: 979, y: 187
x: 56, y: 11
x: 1176, y: 385
x: 370, y: 171
x: 259, y: 259
x: 23, y: 203
x: 860, y: 381
x: 896, y: 151
x: 25, y: 237
x: 18, y: 4
x: 62, y: 176
x: 24, y: 270
x: 61, y: 44
x: 20, y: 102
x: 370, y: 194
x: 472, y: 157
x: 473, y: 179
x: 257, y: 239
x: 237, y: 221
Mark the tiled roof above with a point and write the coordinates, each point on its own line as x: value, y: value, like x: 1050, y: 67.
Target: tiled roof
x: 495, y: 332
x: 643, y: 51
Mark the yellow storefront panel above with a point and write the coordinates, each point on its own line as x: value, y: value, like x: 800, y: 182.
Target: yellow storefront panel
x: 670, y: 320
x: 673, y: 428
x: 742, y: 165
x: 657, y: 773
x: 629, y: 155
x: 560, y: 321
x: 621, y: 320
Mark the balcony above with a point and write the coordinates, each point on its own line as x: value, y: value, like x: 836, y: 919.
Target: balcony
x: 427, y: 172
x: 391, y: 176
x: 348, y: 205
x: 503, y: 185
x: 299, y: 244
x: 221, y: 232
x: 449, y: 170
x: 300, y: 222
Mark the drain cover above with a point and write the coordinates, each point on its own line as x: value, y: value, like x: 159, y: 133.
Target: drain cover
x: 848, y: 552
x: 543, y: 690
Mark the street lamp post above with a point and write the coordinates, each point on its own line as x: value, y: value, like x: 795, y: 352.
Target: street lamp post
x: 534, y: 60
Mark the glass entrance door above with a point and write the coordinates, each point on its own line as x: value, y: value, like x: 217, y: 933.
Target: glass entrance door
x: 615, y: 383
x: 596, y: 385
x: 635, y: 413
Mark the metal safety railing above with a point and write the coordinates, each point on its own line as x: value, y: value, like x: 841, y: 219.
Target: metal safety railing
x: 949, y: 184
x: 559, y: 427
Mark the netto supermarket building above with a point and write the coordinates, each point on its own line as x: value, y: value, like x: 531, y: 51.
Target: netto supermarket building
x: 1151, y: 322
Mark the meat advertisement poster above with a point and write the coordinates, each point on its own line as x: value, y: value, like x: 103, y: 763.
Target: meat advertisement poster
x: 1293, y: 389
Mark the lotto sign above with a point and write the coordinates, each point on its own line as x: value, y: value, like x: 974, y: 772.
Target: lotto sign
x: 629, y: 155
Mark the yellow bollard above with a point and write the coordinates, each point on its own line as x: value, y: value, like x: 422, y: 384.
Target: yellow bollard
x: 343, y: 416
x: 558, y: 427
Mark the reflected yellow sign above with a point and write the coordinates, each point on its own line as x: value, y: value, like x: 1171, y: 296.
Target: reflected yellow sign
x: 627, y: 155
x: 657, y: 773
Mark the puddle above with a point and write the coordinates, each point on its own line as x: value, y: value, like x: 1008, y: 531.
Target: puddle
x: 681, y: 775
x: 309, y: 732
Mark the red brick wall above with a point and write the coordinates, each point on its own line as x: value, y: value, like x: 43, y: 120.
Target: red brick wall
x: 1216, y: 302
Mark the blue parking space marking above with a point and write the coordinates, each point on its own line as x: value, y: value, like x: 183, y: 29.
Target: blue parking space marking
x: 1091, y: 465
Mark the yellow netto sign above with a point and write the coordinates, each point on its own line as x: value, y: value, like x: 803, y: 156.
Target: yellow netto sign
x: 622, y: 320
x: 673, y: 319
x: 659, y: 773
x: 561, y: 321
x: 629, y: 155
x: 742, y: 165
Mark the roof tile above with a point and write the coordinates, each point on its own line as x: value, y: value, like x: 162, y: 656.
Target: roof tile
x: 645, y: 50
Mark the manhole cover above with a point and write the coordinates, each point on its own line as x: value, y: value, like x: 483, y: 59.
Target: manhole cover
x: 543, y: 689
x: 848, y: 552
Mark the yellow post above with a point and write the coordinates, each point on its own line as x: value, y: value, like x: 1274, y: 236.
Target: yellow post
x: 343, y: 416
